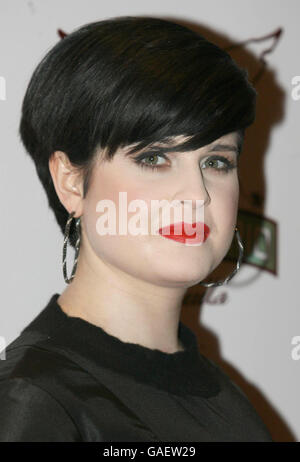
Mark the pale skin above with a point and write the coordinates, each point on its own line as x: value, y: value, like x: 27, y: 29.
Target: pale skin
x: 133, y: 286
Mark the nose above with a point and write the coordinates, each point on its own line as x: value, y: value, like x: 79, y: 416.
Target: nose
x: 193, y: 187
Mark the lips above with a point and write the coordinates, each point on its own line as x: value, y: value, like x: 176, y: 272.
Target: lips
x: 191, y: 233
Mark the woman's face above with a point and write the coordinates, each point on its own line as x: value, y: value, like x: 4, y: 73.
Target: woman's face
x: 199, y: 176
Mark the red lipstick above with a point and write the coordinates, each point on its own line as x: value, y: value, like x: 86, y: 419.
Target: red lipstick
x: 190, y: 233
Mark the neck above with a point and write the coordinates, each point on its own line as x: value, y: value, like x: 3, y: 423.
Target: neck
x: 132, y: 310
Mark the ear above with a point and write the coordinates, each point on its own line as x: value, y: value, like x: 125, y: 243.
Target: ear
x: 68, y: 182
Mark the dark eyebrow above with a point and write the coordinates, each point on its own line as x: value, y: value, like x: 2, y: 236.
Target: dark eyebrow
x: 226, y: 147
x: 216, y: 147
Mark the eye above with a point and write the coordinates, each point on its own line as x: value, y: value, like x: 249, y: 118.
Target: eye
x: 156, y: 161
x: 152, y: 157
x: 219, y: 163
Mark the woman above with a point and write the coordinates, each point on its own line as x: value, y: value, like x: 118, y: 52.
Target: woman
x: 147, y: 108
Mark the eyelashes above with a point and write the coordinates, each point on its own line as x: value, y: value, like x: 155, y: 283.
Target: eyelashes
x: 211, y: 163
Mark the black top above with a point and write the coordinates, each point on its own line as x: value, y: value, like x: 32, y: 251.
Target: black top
x: 65, y: 379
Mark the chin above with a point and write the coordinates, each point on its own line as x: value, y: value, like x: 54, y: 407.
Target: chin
x: 183, y: 276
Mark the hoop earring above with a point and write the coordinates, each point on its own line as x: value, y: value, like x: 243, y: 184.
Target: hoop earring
x: 241, y: 253
x: 77, y: 246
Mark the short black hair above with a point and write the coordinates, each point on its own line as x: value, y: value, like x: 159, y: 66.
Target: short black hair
x: 129, y: 80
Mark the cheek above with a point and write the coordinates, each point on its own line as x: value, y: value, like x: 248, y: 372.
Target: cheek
x: 115, y: 249
x: 224, y: 209
x: 225, y: 196
x: 227, y: 207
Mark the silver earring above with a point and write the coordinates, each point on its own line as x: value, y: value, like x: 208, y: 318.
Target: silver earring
x: 241, y: 253
x: 77, y: 246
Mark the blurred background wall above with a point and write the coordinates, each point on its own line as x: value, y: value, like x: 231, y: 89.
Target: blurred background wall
x: 251, y: 326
